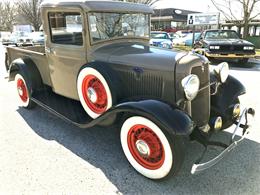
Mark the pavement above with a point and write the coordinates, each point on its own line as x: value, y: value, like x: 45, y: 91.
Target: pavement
x: 41, y: 154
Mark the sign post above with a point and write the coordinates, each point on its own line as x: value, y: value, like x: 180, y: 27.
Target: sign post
x: 199, y: 19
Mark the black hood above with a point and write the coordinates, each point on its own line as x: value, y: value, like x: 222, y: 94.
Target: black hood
x: 137, y: 54
x: 239, y: 42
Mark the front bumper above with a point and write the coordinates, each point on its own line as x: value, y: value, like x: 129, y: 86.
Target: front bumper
x: 226, y: 55
x: 198, y: 166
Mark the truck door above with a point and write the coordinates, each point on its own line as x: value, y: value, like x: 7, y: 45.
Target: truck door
x: 65, y: 50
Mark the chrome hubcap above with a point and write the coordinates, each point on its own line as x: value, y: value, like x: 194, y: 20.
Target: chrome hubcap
x: 92, y: 95
x: 20, y: 91
x: 142, y: 148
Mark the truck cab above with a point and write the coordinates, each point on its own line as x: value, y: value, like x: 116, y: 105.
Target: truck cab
x: 98, y: 68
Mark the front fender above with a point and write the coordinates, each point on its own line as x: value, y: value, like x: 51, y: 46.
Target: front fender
x: 227, y: 95
x: 172, y: 119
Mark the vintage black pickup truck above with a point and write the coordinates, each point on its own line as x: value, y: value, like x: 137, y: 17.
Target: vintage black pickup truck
x: 223, y: 44
x: 97, y: 68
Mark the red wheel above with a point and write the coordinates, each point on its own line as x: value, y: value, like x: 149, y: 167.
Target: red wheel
x: 149, y: 149
x: 23, y: 91
x: 146, y: 147
x: 94, y: 92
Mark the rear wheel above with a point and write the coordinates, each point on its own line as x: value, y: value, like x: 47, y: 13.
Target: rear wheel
x: 149, y: 149
x: 23, y: 91
x: 7, y: 63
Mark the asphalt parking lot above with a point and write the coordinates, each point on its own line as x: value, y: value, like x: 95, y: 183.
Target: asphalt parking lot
x: 42, y: 154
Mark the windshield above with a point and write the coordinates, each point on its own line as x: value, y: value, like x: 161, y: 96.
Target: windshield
x: 221, y: 35
x: 159, y: 36
x: 105, y: 26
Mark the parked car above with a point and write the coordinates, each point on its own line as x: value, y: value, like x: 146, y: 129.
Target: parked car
x: 18, y: 38
x: 181, y: 40
x: 105, y: 74
x: 161, y: 39
x: 185, y: 39
x: 4, y: 37
x: 183, y: 33
x: 222, y: 44
x: 189, y: 37
x: 174, y: 35
x: 37, y: 38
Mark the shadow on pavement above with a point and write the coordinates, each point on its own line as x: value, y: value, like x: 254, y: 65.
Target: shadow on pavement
x: 238, y: 173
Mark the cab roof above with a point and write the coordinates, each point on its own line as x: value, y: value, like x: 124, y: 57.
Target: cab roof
x: 100, y: 6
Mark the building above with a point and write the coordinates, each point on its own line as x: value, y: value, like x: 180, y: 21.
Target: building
x: 172, y: 19
x: 254, y: 26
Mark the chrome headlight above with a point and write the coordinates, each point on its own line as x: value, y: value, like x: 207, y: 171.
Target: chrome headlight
x: 222, y: 71
x: 191, y: 84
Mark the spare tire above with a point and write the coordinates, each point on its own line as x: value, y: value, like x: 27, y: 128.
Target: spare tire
x: 95, y: 90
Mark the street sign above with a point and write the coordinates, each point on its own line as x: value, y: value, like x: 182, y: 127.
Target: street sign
x: 203, y: 19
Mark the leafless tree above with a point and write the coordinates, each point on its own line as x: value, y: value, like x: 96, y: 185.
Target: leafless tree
x: 148, y: 2
x: 249, y: 11
x: 30, y: 11
x: 7, y: 15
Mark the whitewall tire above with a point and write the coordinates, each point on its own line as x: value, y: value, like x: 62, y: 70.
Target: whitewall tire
x: 23, y: 94
x: 146, y: 147
x: 94, y: 92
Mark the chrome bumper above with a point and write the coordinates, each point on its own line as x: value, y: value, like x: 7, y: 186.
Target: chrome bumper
x: 198, y: 166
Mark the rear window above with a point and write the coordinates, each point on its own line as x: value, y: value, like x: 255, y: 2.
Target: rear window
x: 66, y: 28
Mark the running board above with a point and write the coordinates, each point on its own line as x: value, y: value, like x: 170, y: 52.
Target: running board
x: 66, y: 109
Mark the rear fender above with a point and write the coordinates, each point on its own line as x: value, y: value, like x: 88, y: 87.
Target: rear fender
x: 28, y: 69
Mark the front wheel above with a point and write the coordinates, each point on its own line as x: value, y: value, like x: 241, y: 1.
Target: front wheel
x: 151, y: 150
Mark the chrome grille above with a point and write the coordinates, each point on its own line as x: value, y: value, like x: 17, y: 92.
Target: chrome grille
x: 200, y: 106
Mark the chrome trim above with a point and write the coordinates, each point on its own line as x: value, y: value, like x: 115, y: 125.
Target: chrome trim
x: 198, y: 167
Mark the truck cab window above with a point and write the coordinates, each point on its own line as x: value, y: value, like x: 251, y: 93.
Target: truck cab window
x: 66, y: 28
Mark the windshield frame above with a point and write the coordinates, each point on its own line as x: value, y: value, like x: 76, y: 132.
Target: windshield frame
x: 117, y: 38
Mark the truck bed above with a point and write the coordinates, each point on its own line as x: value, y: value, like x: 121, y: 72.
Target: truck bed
x: 36, y: 54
